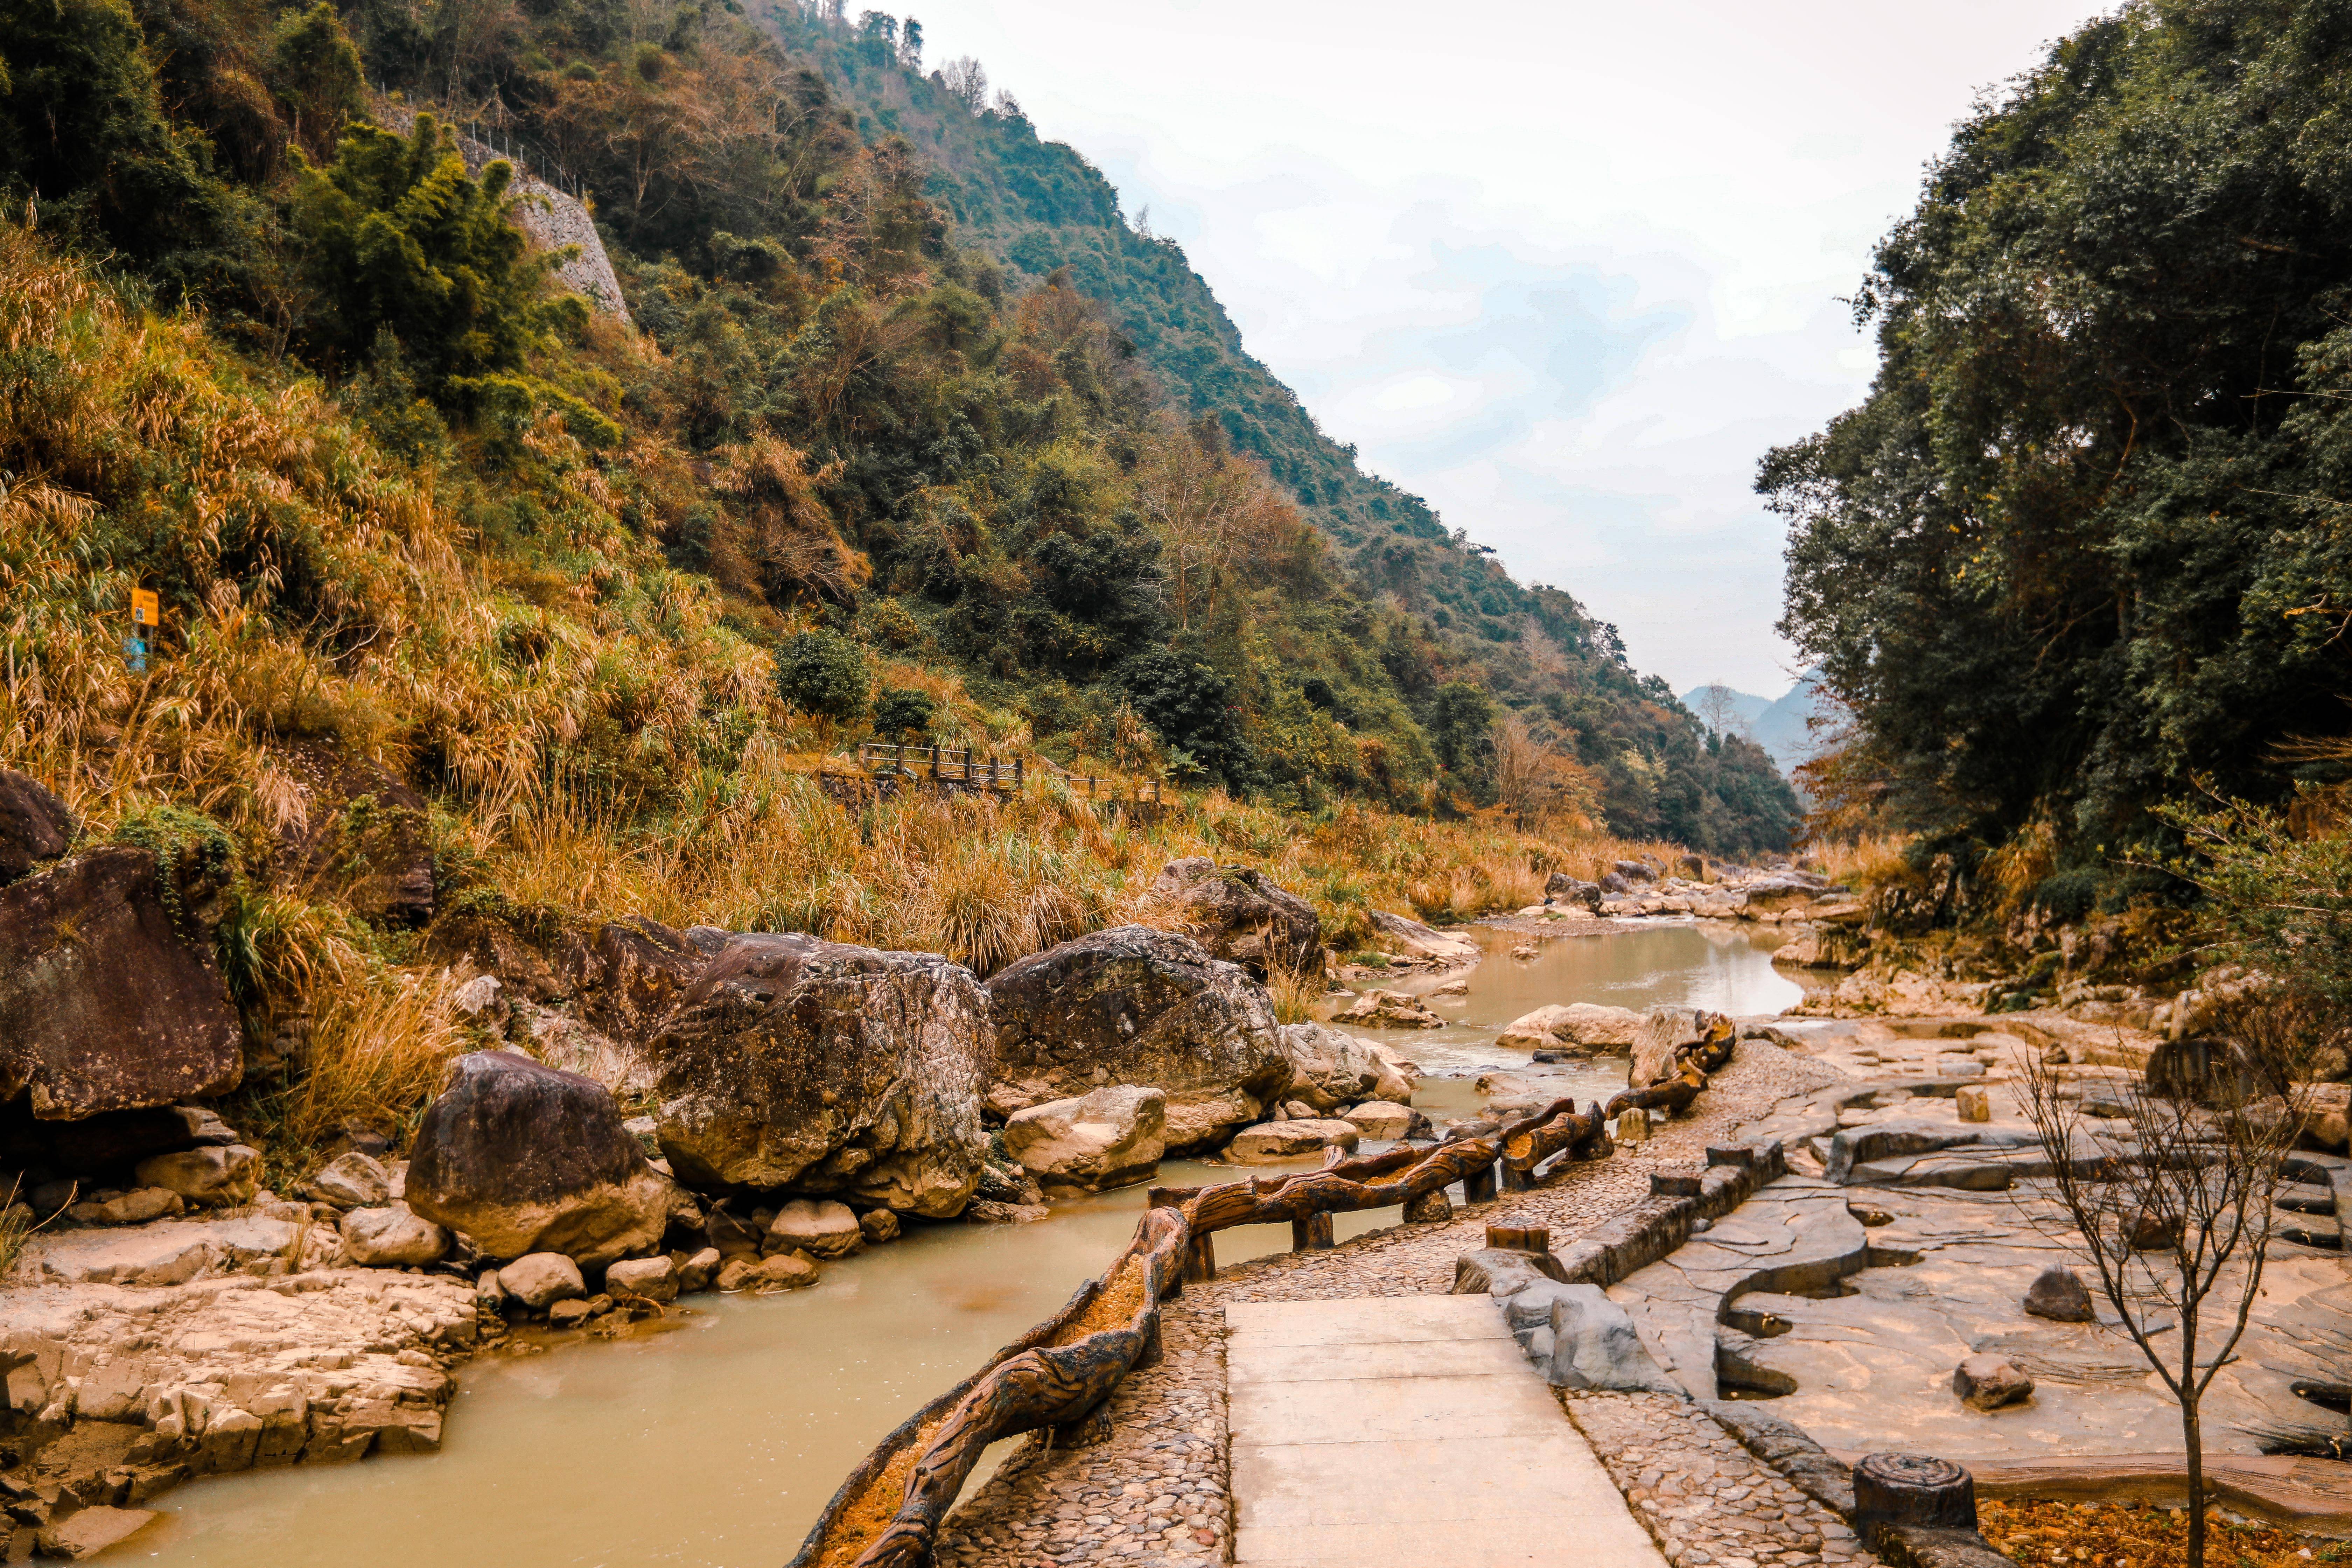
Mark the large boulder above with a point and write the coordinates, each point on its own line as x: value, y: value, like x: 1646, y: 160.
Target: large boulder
x: 110, y: 997
x: 1378, y: 1009
x: 1108, y: 1138
x: 819, y: 1067
x: 1585, y: 1025
x: 527, y: 1159
x: 1668, y: 1035
x: 1242, y: 917
x: 1133, y: 1005
x: 1417, y: 941
x: 1329, y: 1069
x: 629, y: 975
x: 35, y: 824
x: 364, y: 828
x: 1562, y: 888
x: 210, y: 1176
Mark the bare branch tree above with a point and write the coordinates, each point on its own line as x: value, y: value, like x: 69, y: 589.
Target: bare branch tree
x: 2176, y: 1215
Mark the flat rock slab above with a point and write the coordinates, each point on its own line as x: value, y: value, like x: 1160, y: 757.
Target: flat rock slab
x: 1407, y: 1430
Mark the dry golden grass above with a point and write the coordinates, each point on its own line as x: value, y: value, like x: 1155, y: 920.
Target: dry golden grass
x: 1870, y: 860
x: 596, y: 738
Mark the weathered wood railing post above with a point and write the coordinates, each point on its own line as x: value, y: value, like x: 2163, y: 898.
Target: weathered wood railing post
x: 1200, y: 1260
x: 1478, y: 1186
x: 1312, y: 1234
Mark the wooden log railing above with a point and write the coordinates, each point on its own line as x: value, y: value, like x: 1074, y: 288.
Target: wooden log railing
x: 1058, y: 1376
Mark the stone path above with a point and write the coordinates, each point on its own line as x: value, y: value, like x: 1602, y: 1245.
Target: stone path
x: 1406, y: 1430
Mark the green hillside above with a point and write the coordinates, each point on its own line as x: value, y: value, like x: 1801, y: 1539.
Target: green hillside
x: 907, y: 395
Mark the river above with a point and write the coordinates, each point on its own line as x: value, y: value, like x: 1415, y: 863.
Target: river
x: 715, y: 1443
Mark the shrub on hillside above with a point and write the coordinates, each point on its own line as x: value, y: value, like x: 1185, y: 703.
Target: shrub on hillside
x: 823, y: 673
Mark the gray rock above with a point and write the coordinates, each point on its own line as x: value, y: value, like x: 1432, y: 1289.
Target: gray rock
x: 140, y: 1207
x: 1275, y: 1140
x: 393, y: 1237
x: 209, y: 1177
x: 818, y: 1226
x: 1595, y: 1343
x: 349, y: 1181
x: 1989, y: 1382
x: 541, y: 1279
x: 1136, y: 1006
x: 1329, y: 1069
x: 819, y: 1067
x: 1242, y: 917
x: 1108, y: 1138
x: 2059, y: 1294
x: 654, y: 1278
x: 523, y: 1159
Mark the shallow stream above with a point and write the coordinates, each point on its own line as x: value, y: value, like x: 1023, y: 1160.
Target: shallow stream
x: 715, y: 1443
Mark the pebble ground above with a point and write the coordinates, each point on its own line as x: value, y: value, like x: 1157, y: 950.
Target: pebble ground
x: 1707, y: 1502
x: 1156, y: 1491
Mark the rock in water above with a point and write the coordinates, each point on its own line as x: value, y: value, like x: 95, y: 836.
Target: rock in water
x: 35, y: 824
x: 393, y: 1237
x: 1378, y: 1009
x: 654, y: 1278
x: 525, y: 1159
x: 1277, y: 1140
x: 1381, y: 1118
x: 1587, y: 1025
x: 110, y: 997
x: 1133, y: 1005
x: 879, y: 1226
x: 1669, y: 1035
x: 1329, y: 1069
x: 821, y: 1068
x: 1243, y: 917
x: 541, y: 1279
x: 2059, y: 1294
x: 1110, y: 1138
x: 1989, y: 1382
x: 820, y: 1227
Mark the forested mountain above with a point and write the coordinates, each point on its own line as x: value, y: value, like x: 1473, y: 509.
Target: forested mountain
x: 909, y: 396
x: 2082, y: 553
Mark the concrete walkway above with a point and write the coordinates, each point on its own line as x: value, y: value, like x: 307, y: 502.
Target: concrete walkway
x: 1408, y: 1430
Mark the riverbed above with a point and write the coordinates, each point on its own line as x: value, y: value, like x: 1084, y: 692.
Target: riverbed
x: 714, y: 1442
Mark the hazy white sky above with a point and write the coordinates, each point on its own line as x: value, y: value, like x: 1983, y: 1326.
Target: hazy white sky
x: 1565, y: 268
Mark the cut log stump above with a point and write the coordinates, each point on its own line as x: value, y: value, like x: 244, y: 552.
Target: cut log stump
x: 1892, y: 1489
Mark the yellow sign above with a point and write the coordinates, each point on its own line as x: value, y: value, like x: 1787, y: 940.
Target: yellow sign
x: 146, y: 609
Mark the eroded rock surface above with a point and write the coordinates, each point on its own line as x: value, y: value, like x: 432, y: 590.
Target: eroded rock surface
x: 1242, y: 917
x: 1136, y: 1007
x: 1107, y: 1138
x: 820, y: 1068
x: 35, y: 824
x: 524, y: 1158
x: 110, y: 997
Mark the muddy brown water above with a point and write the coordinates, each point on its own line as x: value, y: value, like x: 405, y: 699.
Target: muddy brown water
x: 716, y: 1443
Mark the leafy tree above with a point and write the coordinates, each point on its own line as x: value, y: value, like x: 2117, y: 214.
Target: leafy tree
x: 1461, y: 725
x: 399, y: 239
x: 901, y: 710
x: 84, y: 134
x: 315, y: 74
x: 1193, y: 707
x: 823, y: 673
x: 2085, y: 539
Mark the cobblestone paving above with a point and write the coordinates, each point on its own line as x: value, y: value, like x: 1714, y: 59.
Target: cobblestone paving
x: 1154, y: 1494
x: 1707, y: 1502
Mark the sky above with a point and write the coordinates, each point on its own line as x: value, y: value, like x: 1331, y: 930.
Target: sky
x: 1567, y: 269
